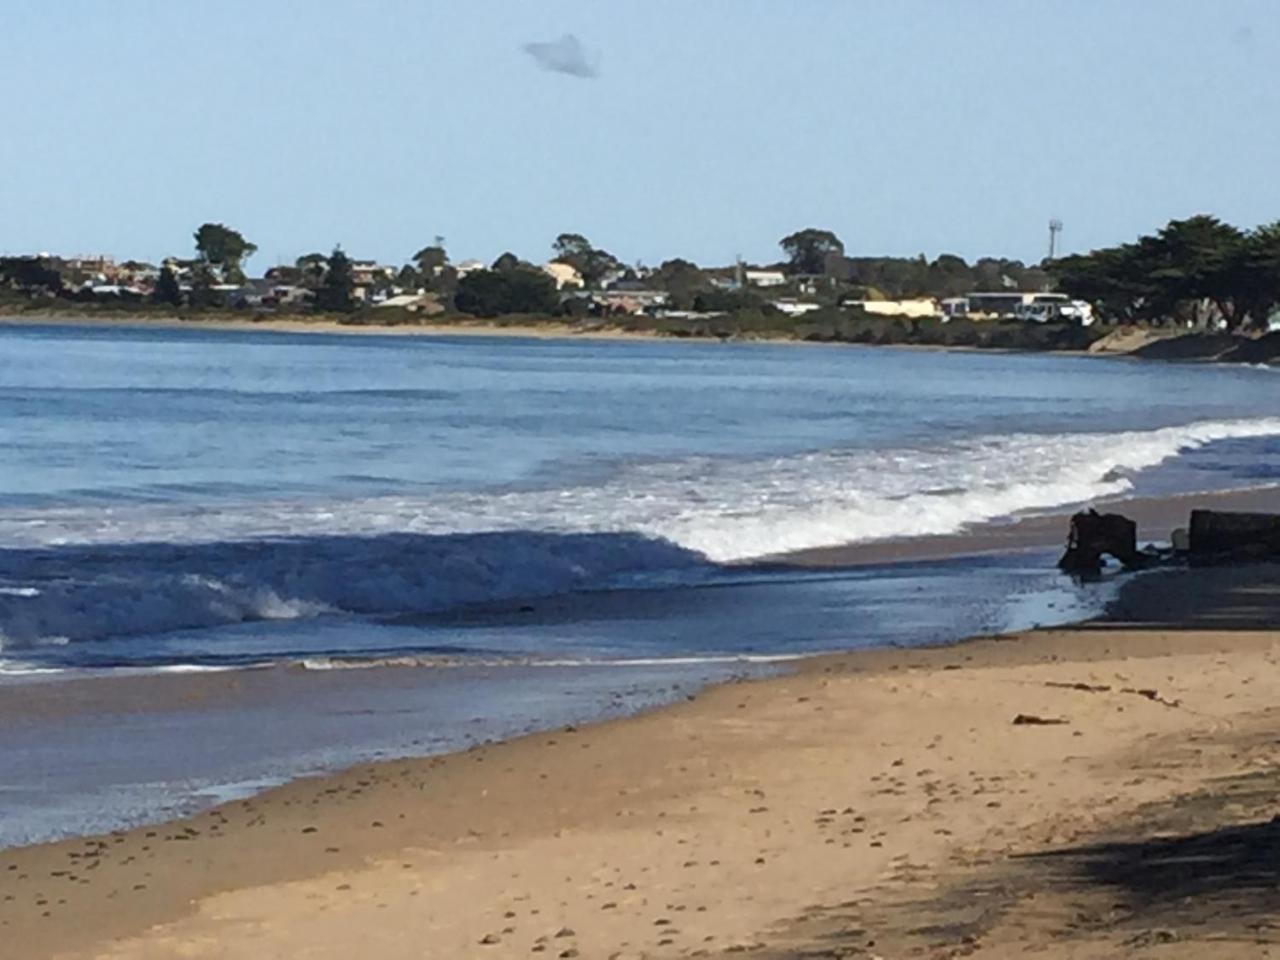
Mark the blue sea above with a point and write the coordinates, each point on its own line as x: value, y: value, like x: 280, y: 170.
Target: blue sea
x: 174, y: 496
x: 613, y: 514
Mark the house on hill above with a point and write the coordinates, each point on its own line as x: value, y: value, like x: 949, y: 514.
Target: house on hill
x: 564, y: 274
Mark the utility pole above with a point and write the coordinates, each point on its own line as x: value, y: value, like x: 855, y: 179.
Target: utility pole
x: 1055, y: 228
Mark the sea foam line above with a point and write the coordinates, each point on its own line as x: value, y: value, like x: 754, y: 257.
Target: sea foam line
x: 88, y: 575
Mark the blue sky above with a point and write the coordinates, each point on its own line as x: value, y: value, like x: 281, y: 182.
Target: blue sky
x: 714, y: 127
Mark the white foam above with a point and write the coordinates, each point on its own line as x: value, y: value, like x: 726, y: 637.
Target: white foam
x: 711, y: 660
x: 438, y: 662
x: 837, y: 498
x: 16, y: 668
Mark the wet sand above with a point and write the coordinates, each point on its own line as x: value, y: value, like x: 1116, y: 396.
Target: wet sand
x: 1080, y: 792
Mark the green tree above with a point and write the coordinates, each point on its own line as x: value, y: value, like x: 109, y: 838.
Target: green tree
x: 1254, y: 275
x: 809, y: 249
x: 224, y: 249
x: 682, y: 280
x: 1192, y: 259
x: 1175, y: 272
x: 31, y: 275
x: 408, y: 277
x: 592, y: 263
x: 167, y: 290
x: 336, y: 292
x: 431, y: 259
x: 444, y: 284
x: 1115, y: 280
x: 949, y: 276
x: 730, y: 301
x: 312, y: 267
x: 203, y: 294
x: 488, y: 293
x: 506, y: 262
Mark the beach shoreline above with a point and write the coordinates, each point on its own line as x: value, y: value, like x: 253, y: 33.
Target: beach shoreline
x: 551, y: 330
x: 1147, y: 344
x: 478, y: 328
x: 754, y: 813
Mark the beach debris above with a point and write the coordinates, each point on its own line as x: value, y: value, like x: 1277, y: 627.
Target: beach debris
x: 1150, y: 938
x: 1147, y: 693
x: 1218, y: 535
x: 1094, y: 535
x: 1214, y: 536
x: 1085, y: 687
x: 1152, y: 695
x: 1031, y: 720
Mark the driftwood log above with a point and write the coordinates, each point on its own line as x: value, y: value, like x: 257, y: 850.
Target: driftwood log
x: 1216, y: 535
x: 1094, y: 535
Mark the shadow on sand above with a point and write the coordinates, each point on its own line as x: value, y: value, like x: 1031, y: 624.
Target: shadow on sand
x: 1188, y: 871
x: 1199, y: 871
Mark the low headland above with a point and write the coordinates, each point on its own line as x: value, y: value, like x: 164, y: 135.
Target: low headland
x: 1084, y: 791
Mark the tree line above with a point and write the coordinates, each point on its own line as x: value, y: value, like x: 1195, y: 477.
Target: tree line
x: 1199, y: 271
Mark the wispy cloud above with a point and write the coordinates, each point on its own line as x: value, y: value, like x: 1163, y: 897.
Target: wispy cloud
x: 566, y: 55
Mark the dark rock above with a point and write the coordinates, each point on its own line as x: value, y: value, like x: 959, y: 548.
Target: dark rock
x: 1094, y: 535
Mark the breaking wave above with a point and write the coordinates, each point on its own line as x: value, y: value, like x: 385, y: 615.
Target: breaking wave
x: 88, y: 592
x: 868, y: 496
x: 71, y: 575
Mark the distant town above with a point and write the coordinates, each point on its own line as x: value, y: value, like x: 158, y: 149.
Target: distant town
x: 1199, y: 273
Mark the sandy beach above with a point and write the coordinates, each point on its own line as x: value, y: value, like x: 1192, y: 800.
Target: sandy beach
x: 306, y: 324
x: 477, y: 327
x: 1063, y: 791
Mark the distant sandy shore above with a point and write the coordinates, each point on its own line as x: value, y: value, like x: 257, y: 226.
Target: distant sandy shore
x: 469, y: 328
x: 1078, y: 793
x: 478, y: 328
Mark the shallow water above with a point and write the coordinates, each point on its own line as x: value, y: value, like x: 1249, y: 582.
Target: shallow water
x: 123, y: 754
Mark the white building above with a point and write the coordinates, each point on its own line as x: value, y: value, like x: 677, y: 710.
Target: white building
x: 795, y: 308
x: 564, y: 274
x: 765, y: 278
x: 917, y: 307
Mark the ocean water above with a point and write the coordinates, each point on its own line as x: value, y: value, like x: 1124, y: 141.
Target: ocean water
x: 545, y: 531
x: 172, y: 497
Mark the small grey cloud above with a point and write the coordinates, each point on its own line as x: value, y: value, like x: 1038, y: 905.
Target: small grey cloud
x: 1242, y: 34
x: 566, y: 55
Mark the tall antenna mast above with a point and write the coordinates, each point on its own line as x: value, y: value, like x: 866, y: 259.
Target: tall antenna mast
x: 1055, y: 228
